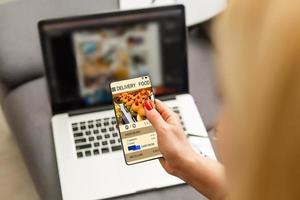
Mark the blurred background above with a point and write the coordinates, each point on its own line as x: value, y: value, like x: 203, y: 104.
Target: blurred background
x: 27, y: 161
x: 14, y: 178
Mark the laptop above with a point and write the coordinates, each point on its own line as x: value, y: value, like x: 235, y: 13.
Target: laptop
x: 82, y: 56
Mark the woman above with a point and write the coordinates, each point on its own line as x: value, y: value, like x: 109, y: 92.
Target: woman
x: 258, y: 44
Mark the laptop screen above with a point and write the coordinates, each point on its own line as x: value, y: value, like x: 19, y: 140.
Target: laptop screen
x: 83, y: 55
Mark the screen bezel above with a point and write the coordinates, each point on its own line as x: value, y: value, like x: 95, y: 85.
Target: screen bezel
x: 60, y: 25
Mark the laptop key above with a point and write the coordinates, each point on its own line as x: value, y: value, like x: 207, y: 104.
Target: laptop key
x: 79, y: 155
x: 96, y: 131
x: 112, y: 141
x: 82, y: 127
x: 75, y: 129
x: 115, y: 134
x: 106, y: 123
x: 104, y: 143
x: 98, y: 125
x: 96, y: 152
x: 99, y: 137
x: 78, y: 134
x: 116, y: 148
x: 85, y: 146
x: 96, y: 144
x: 107, y: 136
x: 88, y: 132
x: 113, y: 122
x: 111, y: 128
x: 91, y: 126
x: 91, y: 139
x: 80, y: 140
x: 88, y: 153
x: 103, y: 130
x: 119, y: 141
x: 105, y: 150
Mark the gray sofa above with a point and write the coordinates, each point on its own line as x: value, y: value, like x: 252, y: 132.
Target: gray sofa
x: 24, y: 97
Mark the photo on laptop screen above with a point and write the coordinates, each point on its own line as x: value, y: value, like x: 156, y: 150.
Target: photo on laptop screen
x: 116, y: 53
x: 86, y: 53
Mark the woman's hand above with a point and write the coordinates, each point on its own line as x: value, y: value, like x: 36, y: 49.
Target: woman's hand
x: 179, y: 158
x: 176, y: 150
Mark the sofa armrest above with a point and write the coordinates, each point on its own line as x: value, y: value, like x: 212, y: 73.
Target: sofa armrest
x: 20, y: 53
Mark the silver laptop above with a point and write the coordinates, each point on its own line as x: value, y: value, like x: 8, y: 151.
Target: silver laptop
x: 82, y: 56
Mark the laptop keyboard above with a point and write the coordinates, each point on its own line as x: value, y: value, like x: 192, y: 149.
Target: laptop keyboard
x: 176, y: 110
x: 100, y: 136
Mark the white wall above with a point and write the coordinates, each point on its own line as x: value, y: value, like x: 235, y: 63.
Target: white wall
x: 196, y: 10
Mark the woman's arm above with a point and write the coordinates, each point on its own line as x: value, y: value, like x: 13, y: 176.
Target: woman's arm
x: 207, y: 176
x: 179, y: 158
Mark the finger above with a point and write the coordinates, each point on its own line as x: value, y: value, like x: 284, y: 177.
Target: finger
x: 167, y: 114
x: 153, y: 116
x: 166, y: 166
x: 163, y: 163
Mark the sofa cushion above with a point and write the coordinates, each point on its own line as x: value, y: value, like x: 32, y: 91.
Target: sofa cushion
x: 28, y: 114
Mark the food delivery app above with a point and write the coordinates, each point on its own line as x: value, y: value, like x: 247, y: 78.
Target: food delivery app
x: 138, y: 136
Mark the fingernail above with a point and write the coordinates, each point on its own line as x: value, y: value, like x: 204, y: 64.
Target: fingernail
x: 148, y: 105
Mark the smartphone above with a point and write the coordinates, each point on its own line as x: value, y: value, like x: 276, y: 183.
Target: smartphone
x: 138, y: 136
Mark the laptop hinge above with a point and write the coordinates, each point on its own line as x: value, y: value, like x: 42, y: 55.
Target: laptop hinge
x: 167, y: 97
x: 89, y: 110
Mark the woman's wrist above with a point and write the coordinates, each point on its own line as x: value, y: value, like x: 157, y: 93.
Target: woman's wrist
x: 185, y: 166
x: 205, y: 175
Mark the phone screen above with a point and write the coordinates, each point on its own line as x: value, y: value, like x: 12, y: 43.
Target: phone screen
x: 139, y: 139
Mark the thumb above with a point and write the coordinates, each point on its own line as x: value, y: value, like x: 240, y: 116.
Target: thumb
x: 153, y: 116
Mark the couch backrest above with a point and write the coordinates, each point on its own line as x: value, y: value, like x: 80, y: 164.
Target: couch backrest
x: 20, y: 54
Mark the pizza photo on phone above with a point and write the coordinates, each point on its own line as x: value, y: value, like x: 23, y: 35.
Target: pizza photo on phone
x: 129, y: 106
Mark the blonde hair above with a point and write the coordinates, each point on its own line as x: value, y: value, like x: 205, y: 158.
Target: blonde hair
x: 258, y: 46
